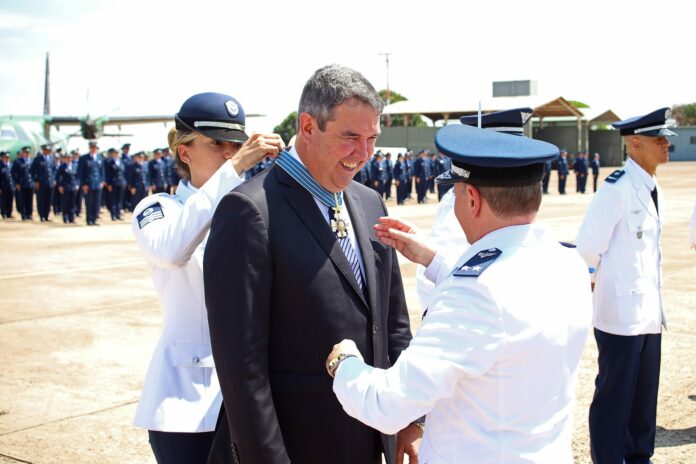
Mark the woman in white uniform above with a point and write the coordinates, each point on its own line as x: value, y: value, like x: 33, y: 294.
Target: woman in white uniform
x: 181, y: 398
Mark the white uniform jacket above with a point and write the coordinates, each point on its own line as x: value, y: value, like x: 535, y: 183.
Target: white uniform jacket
x: 494, y: 364
x: 620, y: 238
x: 181, y: 391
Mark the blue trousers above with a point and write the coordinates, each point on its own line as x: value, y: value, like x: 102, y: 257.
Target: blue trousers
x: 92, y: 205
x: 623, y: 409
x: 180, y: 448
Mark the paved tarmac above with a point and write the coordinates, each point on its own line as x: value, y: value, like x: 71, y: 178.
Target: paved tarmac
x: 79, y: 320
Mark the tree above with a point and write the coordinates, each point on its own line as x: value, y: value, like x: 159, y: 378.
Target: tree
x: 685, y: 115
x: 414, y: 120
x: 288, y: 128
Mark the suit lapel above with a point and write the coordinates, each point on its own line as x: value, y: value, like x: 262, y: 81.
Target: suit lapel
x: 362, y: 234
x: 302, y: 202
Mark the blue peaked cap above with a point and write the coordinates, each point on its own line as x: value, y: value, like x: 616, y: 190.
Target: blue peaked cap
x: 214, y: 115
x: 506, y: 121
x: 484, y: 157
x: 651, y: 125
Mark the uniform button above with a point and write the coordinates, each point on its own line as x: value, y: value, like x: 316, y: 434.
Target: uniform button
x: 374, y: 329
x: 196, y: 360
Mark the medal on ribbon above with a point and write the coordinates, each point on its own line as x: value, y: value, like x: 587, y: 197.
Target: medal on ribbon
x: 339, y: 226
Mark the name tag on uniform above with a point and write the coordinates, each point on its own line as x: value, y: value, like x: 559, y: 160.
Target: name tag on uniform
x: 151, y: 213
x: 476, y: 265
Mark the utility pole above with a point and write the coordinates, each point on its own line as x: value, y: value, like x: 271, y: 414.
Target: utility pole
x: 386, y: 60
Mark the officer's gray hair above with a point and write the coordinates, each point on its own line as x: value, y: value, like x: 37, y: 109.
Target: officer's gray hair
x: 513, y: 201
x: 332, y: 85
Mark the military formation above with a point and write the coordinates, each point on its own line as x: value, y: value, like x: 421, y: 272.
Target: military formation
x: 68, y: 185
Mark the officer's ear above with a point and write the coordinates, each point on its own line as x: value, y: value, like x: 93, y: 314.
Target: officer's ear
x: 183, y: 152
x: 473, y: 196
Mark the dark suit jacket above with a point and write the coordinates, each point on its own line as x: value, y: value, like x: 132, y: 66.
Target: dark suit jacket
x: 280, y: 294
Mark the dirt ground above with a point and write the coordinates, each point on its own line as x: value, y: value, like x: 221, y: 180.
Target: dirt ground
x: 79, y: 320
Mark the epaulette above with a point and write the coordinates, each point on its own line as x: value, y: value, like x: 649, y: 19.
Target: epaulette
x: 476, y: 265
x: 614, y: 176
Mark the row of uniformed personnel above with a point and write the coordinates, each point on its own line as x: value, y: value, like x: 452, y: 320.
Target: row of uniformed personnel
x: 62, y: 181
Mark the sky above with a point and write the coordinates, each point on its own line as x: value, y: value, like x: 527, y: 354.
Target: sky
x: 145, y: 57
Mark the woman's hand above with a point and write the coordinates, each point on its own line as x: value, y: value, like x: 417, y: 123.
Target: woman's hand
x: 255, y: 149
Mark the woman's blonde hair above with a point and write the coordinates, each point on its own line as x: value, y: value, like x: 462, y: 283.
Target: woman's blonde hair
x: 175, y: 138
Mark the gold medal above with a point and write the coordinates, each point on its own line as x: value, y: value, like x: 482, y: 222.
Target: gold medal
x: 339, y: 225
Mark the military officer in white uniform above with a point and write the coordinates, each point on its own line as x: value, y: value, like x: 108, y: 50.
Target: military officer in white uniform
x: 446, y: 233
x: 181, y: 398
x: 620, y: 239
x: 494, y: 365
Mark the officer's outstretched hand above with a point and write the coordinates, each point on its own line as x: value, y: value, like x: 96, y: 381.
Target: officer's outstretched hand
x: 405, y: 239
x: 255, y: 149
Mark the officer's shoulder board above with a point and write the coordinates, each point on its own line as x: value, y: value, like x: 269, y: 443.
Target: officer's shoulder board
x: 150, y: 214
x: 478, y: 263
x: 614, y: 176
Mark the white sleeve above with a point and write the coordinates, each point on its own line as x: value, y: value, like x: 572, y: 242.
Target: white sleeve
x: 597, y: 228
x: 462, y: 335
x: 170, y: 241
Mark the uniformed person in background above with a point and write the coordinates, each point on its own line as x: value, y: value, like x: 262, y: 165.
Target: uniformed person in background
x: 24, y: 187
x: 75, y: 161
x: 446, y: 233
x: 90, y: 173
x: 443, y: 165
x: 6, y: 186
x: 137, y: 178
x: 595, y: 165
x: 56, y: 198
x: 126, y: 159
x: 421, y: 172
x: 115, y: 182
x: 181, y: 398
x: 377, y: 174
x: 389, y: 172
x: 44, y: 181
x: 68, y: 186
x: 400, y: 179
x: 495, y: 362
x: 157, y: 172
x: 562, y: 169
x: 620, y: 239
x: 547, y: 177
x: 581, y: 168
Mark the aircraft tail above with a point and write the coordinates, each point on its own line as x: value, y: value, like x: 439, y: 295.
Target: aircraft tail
x: 47, y: 97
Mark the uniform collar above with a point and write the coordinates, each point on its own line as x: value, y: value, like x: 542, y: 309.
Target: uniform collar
x: 184, y: 190
x: 512, y: 235
x: 645, y: 178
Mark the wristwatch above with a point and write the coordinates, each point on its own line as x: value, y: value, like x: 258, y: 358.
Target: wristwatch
x: 420, y: 423
x: 335, y: 362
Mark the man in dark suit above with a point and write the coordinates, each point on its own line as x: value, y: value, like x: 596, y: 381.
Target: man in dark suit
x: 292, y: 264
x: 90, y: 172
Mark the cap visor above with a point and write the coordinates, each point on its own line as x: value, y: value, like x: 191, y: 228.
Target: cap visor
x: 448, y: 178
x: 226, y: 135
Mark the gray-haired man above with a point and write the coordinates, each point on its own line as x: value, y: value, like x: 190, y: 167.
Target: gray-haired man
x: 293, y: 264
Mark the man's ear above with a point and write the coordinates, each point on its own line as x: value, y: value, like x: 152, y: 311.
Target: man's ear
x: 474, y: 197
x: 307, y: 125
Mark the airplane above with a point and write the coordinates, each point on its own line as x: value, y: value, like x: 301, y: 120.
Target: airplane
x: 36, y: 130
